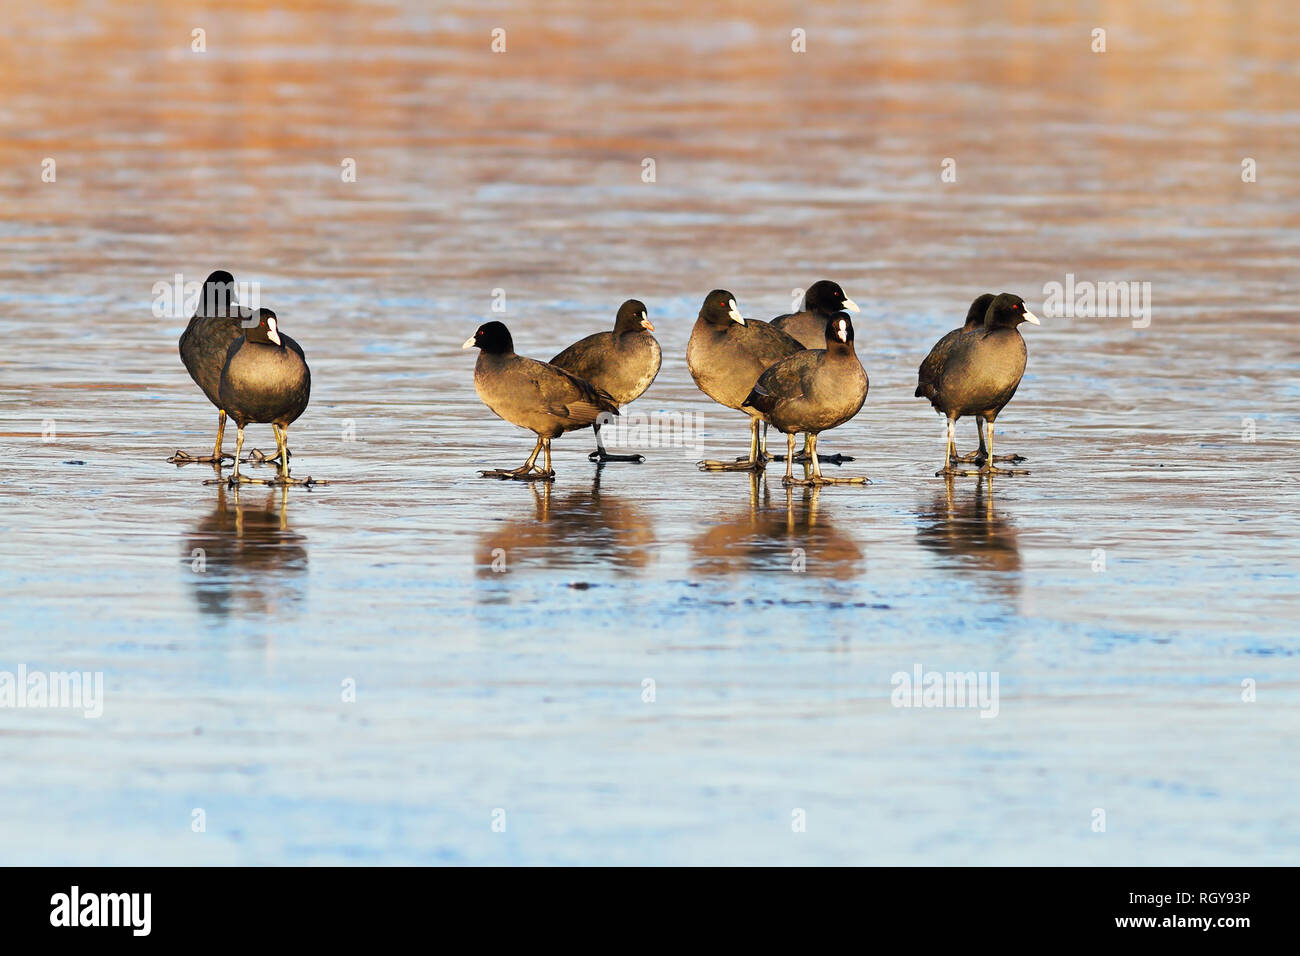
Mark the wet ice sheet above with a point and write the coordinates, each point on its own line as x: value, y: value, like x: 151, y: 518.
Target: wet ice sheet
x: 523, y: 690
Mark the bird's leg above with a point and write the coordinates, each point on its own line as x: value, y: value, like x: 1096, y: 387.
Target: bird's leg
x: 185, y: 458
x: 602, y: 456
x: 789, y: 460
x: 975, y: 457
x: 809, y: 461
x: 949, y: 452
x: 526, y: 471
x: 752, y: 463
x: 817, y: 477
x: 282, y: 453
x: 754, y: 444
x: 988, y: 468
x: 221, y: 434
x: 236, y: 478
x: 281, y: 456
x: 836, y: 459
x: 1014, y: 459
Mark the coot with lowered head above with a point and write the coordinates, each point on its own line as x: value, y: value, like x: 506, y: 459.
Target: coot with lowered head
x: 216, y: 324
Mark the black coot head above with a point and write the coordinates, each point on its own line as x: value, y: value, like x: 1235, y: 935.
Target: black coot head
x: 493, y: 338
x: 720, y: 308
x: 839, y: 330
x: 827, y: 296
x: 632, y: 317
x: 264, y: 328
x: 978, y: 308
x: 218, y: 292
x: 1007, y: 311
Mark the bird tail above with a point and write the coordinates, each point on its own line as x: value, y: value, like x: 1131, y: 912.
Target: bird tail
x: 605, y: 400
x: 759, y: 399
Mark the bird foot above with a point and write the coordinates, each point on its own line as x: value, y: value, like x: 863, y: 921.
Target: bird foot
x: 740, y: 464
x: 978, y: 458
x: 604, y: 456
x: 259, y: 457
x: 279, y: 481
x: 823, y: 480
x: 519, y: 474
x: 984, y: 470
x: 185, y: 458
x: 801, y: 458
x: 234, y: 481
x: 284, y: 480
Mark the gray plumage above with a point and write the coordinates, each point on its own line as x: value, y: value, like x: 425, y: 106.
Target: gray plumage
x: 980, y: 369
x: 265, y: 381
x: 623, y: 362
x: 726, y: 358
x: 823, y: 300
x: 214, y: 327
x: 816, y: 389
x: 539, y: 396
x: 927, y: 375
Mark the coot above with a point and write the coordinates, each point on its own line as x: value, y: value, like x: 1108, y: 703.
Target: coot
x: 726, y: 355
x: 265, y: 379
x: 928, y: 373
x: 214, y: 327
x: 541, y: 397
x: 823, y: 300
x: 979, y: 372
x: 813, y: 391
x: 623, y: 363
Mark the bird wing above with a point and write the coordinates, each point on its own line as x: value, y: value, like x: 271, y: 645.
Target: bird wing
x: 927, y: 376
x: 767, y: 343
x: 759, y: 398
x: 788, y: 379
x: 571, y: 399
x: 579, y: 357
